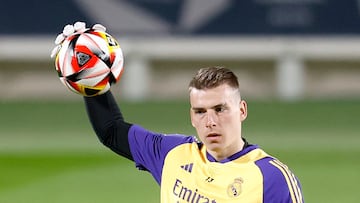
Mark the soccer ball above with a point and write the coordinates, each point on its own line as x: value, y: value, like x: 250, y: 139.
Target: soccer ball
x: 89, y: 62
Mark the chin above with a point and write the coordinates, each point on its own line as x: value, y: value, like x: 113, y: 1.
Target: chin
x: 214, y: 146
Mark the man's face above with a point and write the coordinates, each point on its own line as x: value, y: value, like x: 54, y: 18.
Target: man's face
x: 216, y: 115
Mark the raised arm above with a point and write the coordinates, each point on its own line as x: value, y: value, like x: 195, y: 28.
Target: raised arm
x: 108, y: 123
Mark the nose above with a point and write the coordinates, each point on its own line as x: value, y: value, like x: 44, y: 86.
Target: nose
x: 210, y: 122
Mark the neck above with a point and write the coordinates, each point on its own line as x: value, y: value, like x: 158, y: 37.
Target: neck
x: 224, y: 153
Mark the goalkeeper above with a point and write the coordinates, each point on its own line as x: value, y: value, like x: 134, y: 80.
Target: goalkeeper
x: 221, y: 167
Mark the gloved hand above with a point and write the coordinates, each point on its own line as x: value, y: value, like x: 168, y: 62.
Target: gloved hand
x: 78, y: 27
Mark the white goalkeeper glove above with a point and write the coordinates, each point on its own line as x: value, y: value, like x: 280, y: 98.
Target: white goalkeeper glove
x: 78, y: 27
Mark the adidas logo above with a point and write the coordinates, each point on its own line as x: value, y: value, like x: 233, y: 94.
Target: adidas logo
x: 187, y: 167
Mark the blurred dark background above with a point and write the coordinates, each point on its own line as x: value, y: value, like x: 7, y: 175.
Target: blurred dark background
x: 286, y: 50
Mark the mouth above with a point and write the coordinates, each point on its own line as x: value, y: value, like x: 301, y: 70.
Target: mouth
x: 213, y: 136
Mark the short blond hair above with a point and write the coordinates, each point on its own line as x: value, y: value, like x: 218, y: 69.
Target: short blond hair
x: 211, y: 77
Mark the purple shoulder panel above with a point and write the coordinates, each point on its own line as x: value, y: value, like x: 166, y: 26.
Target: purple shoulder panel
x: 276, y: 188
x: 149, y: 149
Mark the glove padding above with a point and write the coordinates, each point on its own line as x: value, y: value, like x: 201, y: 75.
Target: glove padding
x: 78, y: 27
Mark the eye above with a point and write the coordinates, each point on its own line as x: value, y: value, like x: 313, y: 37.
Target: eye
x: 219, y: 109
x: 199, y: 111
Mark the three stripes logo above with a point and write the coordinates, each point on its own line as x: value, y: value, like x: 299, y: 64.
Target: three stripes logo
x: 187, y: 167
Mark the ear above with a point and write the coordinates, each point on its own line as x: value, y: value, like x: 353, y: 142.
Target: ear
x: 243, y: 110
x: 191, y: 118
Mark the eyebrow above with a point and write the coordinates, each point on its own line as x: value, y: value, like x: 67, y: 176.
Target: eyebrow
x: 213, y: 107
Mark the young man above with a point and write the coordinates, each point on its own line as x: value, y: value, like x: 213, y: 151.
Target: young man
x: 221, y: 167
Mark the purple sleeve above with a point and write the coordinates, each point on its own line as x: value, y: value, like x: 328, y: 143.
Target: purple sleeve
x: 149, y: 149
x: 279, y: 183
